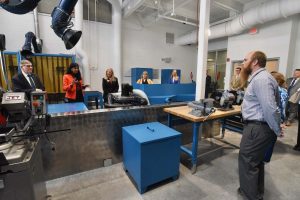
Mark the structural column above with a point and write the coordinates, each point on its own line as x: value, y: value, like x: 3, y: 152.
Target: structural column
x: 202, y: 48
x: 117, y: 37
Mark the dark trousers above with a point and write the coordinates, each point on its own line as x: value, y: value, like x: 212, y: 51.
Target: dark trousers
x: 298, y: 137
x: 256, y: 139
x: 291, y: 111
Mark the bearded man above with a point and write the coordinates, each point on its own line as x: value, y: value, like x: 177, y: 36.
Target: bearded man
x: 261, y: 124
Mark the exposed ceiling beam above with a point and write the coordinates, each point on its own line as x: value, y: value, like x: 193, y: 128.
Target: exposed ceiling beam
x: 230, y: 5
x: 130, y: 6
x: 178, y: 20
x: 179, y: 5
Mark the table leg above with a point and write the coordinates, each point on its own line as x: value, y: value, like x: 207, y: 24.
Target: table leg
x: 223, y: 128
x: 196, y: 134
x: 97, y: 103
x: 170, y: 120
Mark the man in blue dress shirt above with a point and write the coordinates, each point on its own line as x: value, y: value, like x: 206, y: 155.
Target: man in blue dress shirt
x: 262, y: 124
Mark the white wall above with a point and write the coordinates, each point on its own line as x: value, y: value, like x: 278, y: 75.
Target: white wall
x: 296, y: 61
x: 218, y: 44
x: 16, y: 26
x: 146, y: 46
x: 142, y: 46
x: 272, y: 38
x: 97, y: 42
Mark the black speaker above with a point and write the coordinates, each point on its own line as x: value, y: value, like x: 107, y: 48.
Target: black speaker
x: 126, y: 90
x: 71, y: 37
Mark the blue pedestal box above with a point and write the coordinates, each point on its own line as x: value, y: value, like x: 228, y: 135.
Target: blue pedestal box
x: 151, y: 153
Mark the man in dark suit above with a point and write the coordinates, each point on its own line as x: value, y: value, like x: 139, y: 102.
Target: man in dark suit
x: 207, y: 85
x: 293, y: 84
x: 26, y: 81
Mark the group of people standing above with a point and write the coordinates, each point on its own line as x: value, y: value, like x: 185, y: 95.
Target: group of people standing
x: 73, y: 85
x: 286, y: 87
x: 263, y: 109
x: 27, y: 82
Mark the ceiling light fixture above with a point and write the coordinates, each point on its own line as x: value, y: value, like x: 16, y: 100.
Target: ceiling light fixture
x: 173, y: 12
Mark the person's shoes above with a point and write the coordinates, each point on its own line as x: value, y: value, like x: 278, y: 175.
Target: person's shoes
x: 240, y: 192
x: 296, y: 148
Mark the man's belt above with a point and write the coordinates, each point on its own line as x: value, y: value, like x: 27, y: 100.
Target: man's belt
x: 255, y: 122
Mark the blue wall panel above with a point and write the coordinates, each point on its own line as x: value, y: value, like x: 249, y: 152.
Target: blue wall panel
x: 137, y: 72
x: 166, y: 75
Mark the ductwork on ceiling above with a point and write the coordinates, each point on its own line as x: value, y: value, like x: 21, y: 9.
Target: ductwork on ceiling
x: 37, y: 29
x: 265, y: 12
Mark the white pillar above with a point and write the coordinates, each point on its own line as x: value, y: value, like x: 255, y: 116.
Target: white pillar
x: 202, y: 48
x: 117, y: 39
x: 78, y: 22
x: 80, y: 53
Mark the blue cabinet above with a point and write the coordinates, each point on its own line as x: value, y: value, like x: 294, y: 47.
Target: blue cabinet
x: 151, y: 153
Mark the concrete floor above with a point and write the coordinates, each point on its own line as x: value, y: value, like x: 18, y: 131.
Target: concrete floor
x: 216, y: 176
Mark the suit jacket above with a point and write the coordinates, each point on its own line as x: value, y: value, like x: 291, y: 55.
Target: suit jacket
x: 109, y: 87
x: 20, y: 84
x: 294, y: 88
x: 207, y: 86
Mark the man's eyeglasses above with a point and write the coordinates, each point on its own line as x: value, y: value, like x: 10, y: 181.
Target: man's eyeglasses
x: 28, y: 65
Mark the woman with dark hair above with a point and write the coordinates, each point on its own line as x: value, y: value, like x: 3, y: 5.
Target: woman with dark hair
x: 282, y: 101
x: 72, y: 84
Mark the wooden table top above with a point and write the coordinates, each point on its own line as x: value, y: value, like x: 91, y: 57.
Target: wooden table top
x: 183, y: 112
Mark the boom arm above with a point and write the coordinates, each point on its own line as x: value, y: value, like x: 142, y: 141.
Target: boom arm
x: 61, y: 17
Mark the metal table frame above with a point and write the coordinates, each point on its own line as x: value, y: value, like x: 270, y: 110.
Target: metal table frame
x: 182, y: 112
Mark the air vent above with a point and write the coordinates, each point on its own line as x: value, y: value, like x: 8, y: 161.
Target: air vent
x: 170, y: 38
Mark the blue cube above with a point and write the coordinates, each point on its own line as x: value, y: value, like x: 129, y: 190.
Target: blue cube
x: 151, y: 153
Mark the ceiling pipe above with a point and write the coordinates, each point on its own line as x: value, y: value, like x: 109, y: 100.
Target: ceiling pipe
x: 265, y: 12
x: 37, y: 29
x: 177, y: 20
